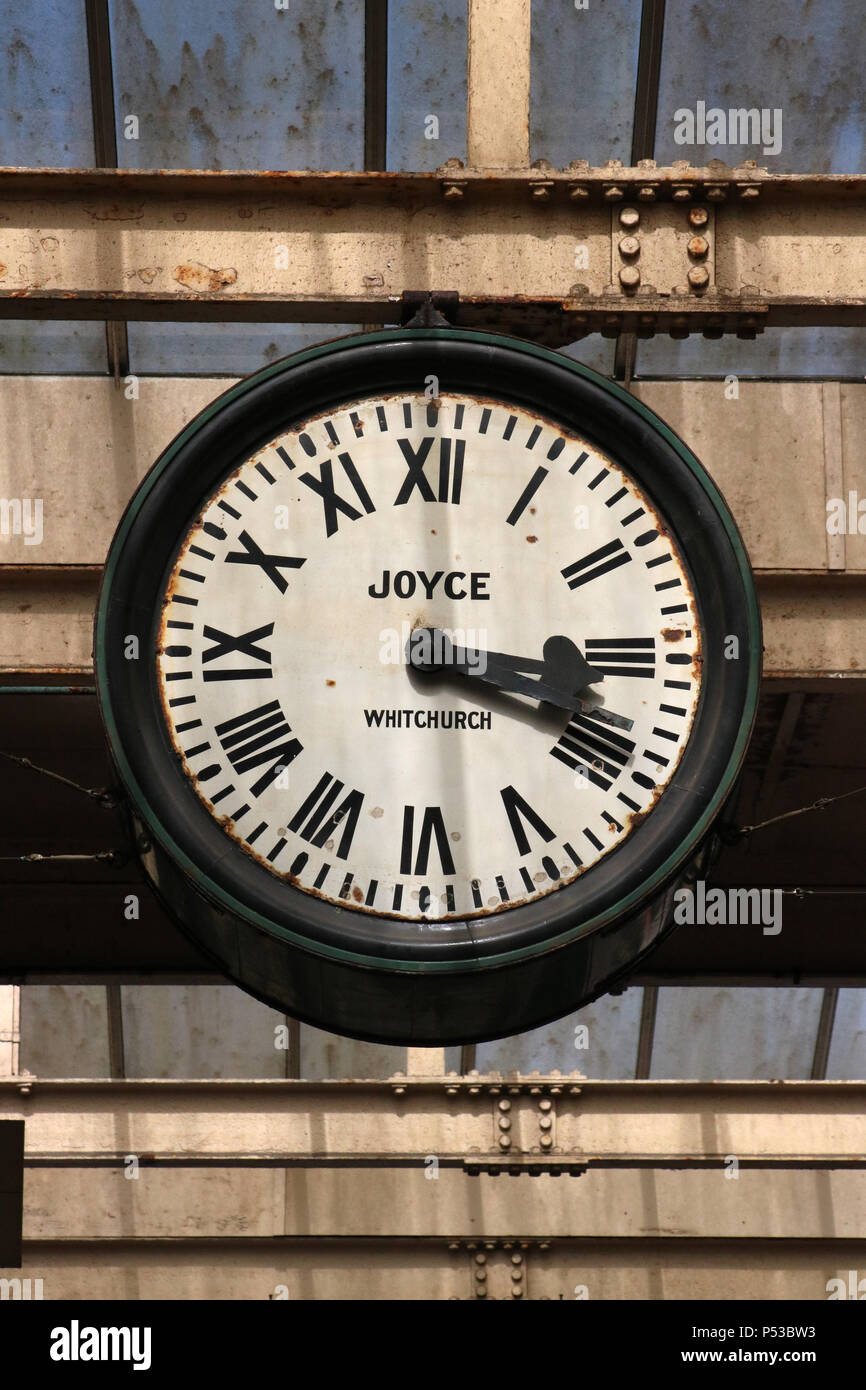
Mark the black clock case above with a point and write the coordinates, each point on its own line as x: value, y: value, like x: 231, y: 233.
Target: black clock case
x: 378, y: 977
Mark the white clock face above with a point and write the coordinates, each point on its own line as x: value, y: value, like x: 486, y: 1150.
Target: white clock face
x: 396, y: 791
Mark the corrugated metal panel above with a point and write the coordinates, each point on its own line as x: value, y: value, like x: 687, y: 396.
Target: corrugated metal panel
x: 426, y: 78
x: 584, y: 64
x: 64, y: 1030
x: 777, y: 352
x: 847, y: 1059
x: 220, y: 349
x: 45, y: 116
x: 802, y: 58
x: 735, y: 1034
x: 605, y: 1051
x: 218, y: 84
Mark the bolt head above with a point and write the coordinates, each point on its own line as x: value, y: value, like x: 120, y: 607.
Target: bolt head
x: 629, y: 246
x: 629, y: 217
x: 629, y: 277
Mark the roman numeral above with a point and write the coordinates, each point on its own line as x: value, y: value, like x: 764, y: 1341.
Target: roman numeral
x: 257, y: 739
x: 515, y: 807
x: 245, y: 644
x: 591, y: 747
x: 323, y: 818
x: 432, y: 824
x: 332, y: 502
x: 252, y: 554
x: 450, y: 480
x: 607, y: 557
x: 622, y: 656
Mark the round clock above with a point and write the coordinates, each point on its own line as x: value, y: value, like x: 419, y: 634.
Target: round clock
x: 428, y: 660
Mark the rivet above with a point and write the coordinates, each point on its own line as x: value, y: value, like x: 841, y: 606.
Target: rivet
x: 545, y: 1104
x: 629, y: 246
x: 546, y: 1141
x: 699, y: 277
x: 399, y: 1090
x: 748, y: 192
x: 504, y: 1121
x: 578, y: 192
x: 504, y: 1141
x: 717, y: 193
x: 517, y: 1258
x: 698, y: 217
x: 681, y: 193
x: 629, y: 217
x: 613, y: 193
x: 452, y: 191
x: 481, y: 1258
x: 698, y: 247
x: 629, y: 277
x: 647, y: 193
x: 481, y: 1275
x: 545, y: 1122
x: 505, y: 1105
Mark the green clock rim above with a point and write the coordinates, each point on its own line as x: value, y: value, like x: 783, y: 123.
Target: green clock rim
x: 618, y: 909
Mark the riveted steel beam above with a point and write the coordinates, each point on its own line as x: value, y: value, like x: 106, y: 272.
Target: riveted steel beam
x: 341, y: 248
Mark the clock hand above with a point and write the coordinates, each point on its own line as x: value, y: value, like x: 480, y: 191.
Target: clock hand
x: 430, y: 649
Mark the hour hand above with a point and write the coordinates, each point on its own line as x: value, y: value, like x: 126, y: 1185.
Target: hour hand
x: 563, y: 670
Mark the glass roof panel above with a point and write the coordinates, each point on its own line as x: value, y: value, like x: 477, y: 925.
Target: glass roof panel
x: 798, y: 62
x: 777, y: 352
x: 599, y: 1040
x: 584, y: 65
x: 426, y: 83
x: 218, y: 84
x: 743, y: 1034
x: 45, y: 117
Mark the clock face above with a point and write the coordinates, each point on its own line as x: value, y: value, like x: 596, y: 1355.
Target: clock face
x: 506, y: 549
x: 448, y: 656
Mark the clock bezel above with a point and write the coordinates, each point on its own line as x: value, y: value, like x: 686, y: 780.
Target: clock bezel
x: 332, y: 375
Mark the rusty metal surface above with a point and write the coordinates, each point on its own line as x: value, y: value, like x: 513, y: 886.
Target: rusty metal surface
x: 343, y: 248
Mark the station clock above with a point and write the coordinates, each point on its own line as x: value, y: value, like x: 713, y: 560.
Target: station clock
x: 447, y: 660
